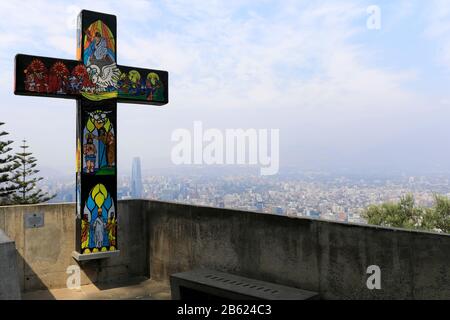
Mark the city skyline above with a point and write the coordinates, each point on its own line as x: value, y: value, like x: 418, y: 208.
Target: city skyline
x: 318, y: 195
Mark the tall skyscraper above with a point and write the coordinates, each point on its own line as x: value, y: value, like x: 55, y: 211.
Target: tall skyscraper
x: 136, y: 178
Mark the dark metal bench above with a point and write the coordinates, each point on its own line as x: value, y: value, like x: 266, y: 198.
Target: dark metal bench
x: 214, y: 285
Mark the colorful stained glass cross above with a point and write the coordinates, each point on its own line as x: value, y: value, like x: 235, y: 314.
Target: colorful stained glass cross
x: 97, y: 83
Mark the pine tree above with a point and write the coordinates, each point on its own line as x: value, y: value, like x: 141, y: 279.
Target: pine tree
x: 8, y: 165
x: 28, y: 192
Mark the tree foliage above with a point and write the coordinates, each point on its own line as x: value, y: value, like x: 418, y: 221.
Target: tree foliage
x: 28, y: 192
x: 8, y: 174
x: 406, y: 214
x: 438, y: 217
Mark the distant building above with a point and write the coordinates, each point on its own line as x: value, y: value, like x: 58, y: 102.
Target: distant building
x: 342, y: 216
x: 136, y: 178
x: 278, y: 210
x: 313, y: 214
x: 260, y: 206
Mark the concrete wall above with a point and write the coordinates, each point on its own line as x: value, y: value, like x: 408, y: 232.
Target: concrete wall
x: 44, y: 254
x: 9, y: 275
x: 158, y: 239
x: 326, y: 257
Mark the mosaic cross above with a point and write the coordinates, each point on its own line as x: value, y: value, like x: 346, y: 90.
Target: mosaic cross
x: 98, y: 84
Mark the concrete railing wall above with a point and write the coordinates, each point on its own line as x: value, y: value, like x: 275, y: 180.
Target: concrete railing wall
x: 157, y: 239
x: 326, y: 257
x: 44, y: 254
x: 9, y: 274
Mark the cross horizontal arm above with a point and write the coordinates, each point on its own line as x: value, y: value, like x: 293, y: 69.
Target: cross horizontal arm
x: 62, y: 78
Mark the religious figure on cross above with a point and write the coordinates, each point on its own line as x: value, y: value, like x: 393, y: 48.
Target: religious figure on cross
x: 100, y: 60
x: 98, y: 51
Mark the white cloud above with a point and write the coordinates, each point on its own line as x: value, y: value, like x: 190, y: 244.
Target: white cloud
x: 276, y: 63
x: 299, y: 55
x: 438, y: 29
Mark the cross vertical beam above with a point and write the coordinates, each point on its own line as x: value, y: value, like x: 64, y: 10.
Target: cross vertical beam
x: 96, y: 221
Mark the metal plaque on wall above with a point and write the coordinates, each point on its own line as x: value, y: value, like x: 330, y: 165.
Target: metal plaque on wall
x: 34, y: 220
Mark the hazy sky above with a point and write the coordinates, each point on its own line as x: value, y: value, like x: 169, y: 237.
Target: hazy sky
x: 341, y: 94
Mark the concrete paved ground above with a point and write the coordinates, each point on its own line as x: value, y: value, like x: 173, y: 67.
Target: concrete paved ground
x: 136, y: 289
